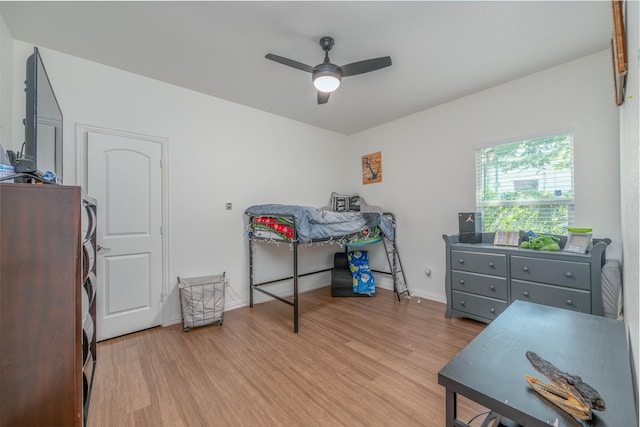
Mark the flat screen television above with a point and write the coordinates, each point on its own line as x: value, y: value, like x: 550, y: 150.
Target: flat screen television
x: 42, y: 149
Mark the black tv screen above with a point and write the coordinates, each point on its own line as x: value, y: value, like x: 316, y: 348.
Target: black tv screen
x: 42, y: 151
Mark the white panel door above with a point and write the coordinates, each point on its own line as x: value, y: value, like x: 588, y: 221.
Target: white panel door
x: 124, y: 175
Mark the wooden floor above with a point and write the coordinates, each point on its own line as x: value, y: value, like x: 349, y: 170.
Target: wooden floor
x: 355, y: 362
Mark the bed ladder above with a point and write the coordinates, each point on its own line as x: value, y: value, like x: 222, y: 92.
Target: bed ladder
x: 399, y: 281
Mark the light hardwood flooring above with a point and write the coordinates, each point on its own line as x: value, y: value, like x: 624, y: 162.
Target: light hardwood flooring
x: 355, y: 362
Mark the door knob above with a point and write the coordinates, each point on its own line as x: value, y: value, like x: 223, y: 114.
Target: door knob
x: 102, y: 249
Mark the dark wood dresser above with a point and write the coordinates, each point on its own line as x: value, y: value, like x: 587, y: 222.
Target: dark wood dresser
x: 47, y: 289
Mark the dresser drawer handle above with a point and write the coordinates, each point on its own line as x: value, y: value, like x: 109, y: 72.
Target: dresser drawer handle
x: 491, y: 264
x: 462, y: 302
x: 525, y: 268
x: 525, y: 293
x: 493, y: 310
x: 569, y: 302
x: 568, y: 274
x: 461, y: 261
x: 492, y: 287
x: 462, y: 281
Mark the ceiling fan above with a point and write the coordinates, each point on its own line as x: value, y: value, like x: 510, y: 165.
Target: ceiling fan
x: 327, y: 76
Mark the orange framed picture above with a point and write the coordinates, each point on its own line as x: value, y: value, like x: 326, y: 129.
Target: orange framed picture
x: 372, y: 168
x: 619, y: 51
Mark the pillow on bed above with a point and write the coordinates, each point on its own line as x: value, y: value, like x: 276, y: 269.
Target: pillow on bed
x: 345, y: 203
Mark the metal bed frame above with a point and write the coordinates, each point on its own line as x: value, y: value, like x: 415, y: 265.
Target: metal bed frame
x: 399, y: 281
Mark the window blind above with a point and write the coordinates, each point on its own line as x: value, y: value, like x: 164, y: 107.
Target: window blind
x: 527, y: 185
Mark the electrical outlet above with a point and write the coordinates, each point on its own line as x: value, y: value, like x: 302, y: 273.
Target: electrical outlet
x: 228, y: 206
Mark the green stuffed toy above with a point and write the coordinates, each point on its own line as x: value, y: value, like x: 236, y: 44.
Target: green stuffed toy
x: 543, y: 243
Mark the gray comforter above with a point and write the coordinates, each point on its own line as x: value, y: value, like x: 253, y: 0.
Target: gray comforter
x: 314, y: 224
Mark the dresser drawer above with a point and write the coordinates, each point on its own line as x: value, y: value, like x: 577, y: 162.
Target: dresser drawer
x: 476, y: 262
x: 489, y: 286
x: 477, y: 305
x: 563, y: 273
x: 571, y: 299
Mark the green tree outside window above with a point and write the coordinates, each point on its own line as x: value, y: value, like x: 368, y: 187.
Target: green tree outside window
x: 527, y: 185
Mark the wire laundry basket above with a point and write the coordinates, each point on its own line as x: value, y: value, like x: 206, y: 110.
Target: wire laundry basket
x: 202, y: 300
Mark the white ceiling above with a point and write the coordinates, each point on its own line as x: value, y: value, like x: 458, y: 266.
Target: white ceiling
x: 440, y: 50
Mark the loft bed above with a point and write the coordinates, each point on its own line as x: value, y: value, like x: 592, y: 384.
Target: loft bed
x: 295, y: 225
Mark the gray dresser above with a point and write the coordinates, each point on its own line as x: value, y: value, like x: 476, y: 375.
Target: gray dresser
x: 483, y: 279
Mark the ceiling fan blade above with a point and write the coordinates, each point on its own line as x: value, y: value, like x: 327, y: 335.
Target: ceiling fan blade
x: 289, y: 62
x: 323, y: 97
x: 365, y: 66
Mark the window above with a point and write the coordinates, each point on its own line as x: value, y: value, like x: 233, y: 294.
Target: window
x: 527, y: 185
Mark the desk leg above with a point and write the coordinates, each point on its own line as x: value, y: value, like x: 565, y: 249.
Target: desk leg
x: 451, y: 415
x: 451, y: 408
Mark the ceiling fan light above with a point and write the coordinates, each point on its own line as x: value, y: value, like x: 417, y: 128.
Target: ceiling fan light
x: 326, y: 82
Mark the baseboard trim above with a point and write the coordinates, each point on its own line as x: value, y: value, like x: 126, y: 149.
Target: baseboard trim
x: 258, y: 298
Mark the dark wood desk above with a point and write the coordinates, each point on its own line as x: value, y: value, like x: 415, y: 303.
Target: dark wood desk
x: 490, y: 370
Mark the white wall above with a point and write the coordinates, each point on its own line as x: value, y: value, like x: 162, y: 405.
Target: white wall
x: 429, y: 165
x: 6, y: 84
x: 218, y: 152
x: 630, y: 182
